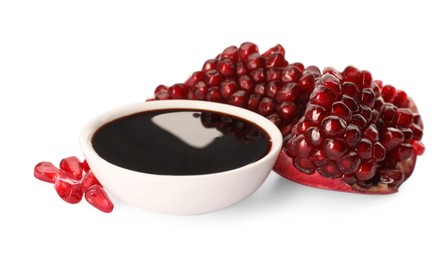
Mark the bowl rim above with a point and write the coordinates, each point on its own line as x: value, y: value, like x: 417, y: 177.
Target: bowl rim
x: 96, y: 122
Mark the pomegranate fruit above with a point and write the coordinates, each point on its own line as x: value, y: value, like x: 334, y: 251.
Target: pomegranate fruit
x: 342, y: 130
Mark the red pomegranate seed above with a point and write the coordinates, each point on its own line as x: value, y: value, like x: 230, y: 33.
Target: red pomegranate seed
x: 178, y: 91
x: 246, y: 49
x: 266, y: 106
x: 333, y: 125
x: 46, y: 171
x: 212, y: 78
x: 85, y: 166
x: 89, y: 181
x: 97, y: 197
x: 209, y: 65
x: 228, y: 87
x: 226, y: 67
x: 73, y: 167
x: 68, y: 189
x: 239, y: 98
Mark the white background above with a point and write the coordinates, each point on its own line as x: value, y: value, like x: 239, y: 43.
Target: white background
x: 63, y: 62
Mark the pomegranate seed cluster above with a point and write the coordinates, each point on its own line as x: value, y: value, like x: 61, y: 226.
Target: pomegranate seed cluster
x: 264, y: 83
x: 74, y: 180
x: 342, y: 130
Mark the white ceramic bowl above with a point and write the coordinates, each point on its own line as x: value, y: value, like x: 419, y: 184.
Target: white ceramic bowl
x: 180, y: 195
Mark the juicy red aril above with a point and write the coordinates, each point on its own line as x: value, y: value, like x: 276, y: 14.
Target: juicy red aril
x: 97, y: 197
x: 391, y: 137
x: 333, y: 125
x: 69, y: 190
x: 46, y: 171
x: 73, y: 167
x: 89, y: 181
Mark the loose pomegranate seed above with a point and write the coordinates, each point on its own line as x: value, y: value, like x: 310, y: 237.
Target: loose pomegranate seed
x: 46, y: 171
x: 73, y: 167
x: 68, y: 189
x: 97, y: 197
x: 89, y: 181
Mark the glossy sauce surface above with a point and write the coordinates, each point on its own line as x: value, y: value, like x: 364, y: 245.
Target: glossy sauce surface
x: 180, y: 142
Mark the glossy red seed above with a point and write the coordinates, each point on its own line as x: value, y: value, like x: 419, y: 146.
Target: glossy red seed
x: 302, y: 147
x: 349, y: 163
x: 404, y: 117
x: 275, y: 59
x: 246, y: 49
x: 214, y: 95
x: 288, y: 92
x: 200, y: 90
x: 266, y: 106
x: 46, y: 171
x: 160, y: 88
x: 340, y: 109
x: 367, y: 79
x: 287, y: 110
x: 89, y: 181
x: 212, y: 78
x: 97, y: 197
x: 365, y: 149
x: 73, y: 167
x: 178, y: 91
x: 359, y: 121
x: 255, y: 61
x: 239, y: 98
x: 333, y: 126
x: 368, y: 97
x: 226, y: 67
x: 231, y: 53
x: 335, y: 148
x: 85, y: 166
x: 350, y: 103
x: 258, y: 75
x: 366, y: 171
x: 246, y: 83
x: 272, y: 88
x: 68, y: 189
x: 209, y: 65
x: 330, y: 170
x: 323, y: 96
x: 391, y: 137
x: 313, y: 135
x: 276, y: 49
x: 273, y: 74
x: 260, y: 89
x: 291, y: 73
x: 331, y: 82
x: 352, y: 135
x: 304, y: 165
x: 388, y: 93
x: 314, y: 114
x: 318, y: 157
x: 254, y: 101
x: 194, y: 79
x: 418, y: 148
x: 379, y: 152
x: 227, y: 88
x: 350, y: 89
x: 240, y: 69
x: 372, y: 133
x: 353, y: 75
x: 400, y: 99
x: 162, y: 95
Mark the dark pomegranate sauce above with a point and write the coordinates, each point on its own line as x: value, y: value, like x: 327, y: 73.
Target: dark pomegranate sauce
x: 181, y: 142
